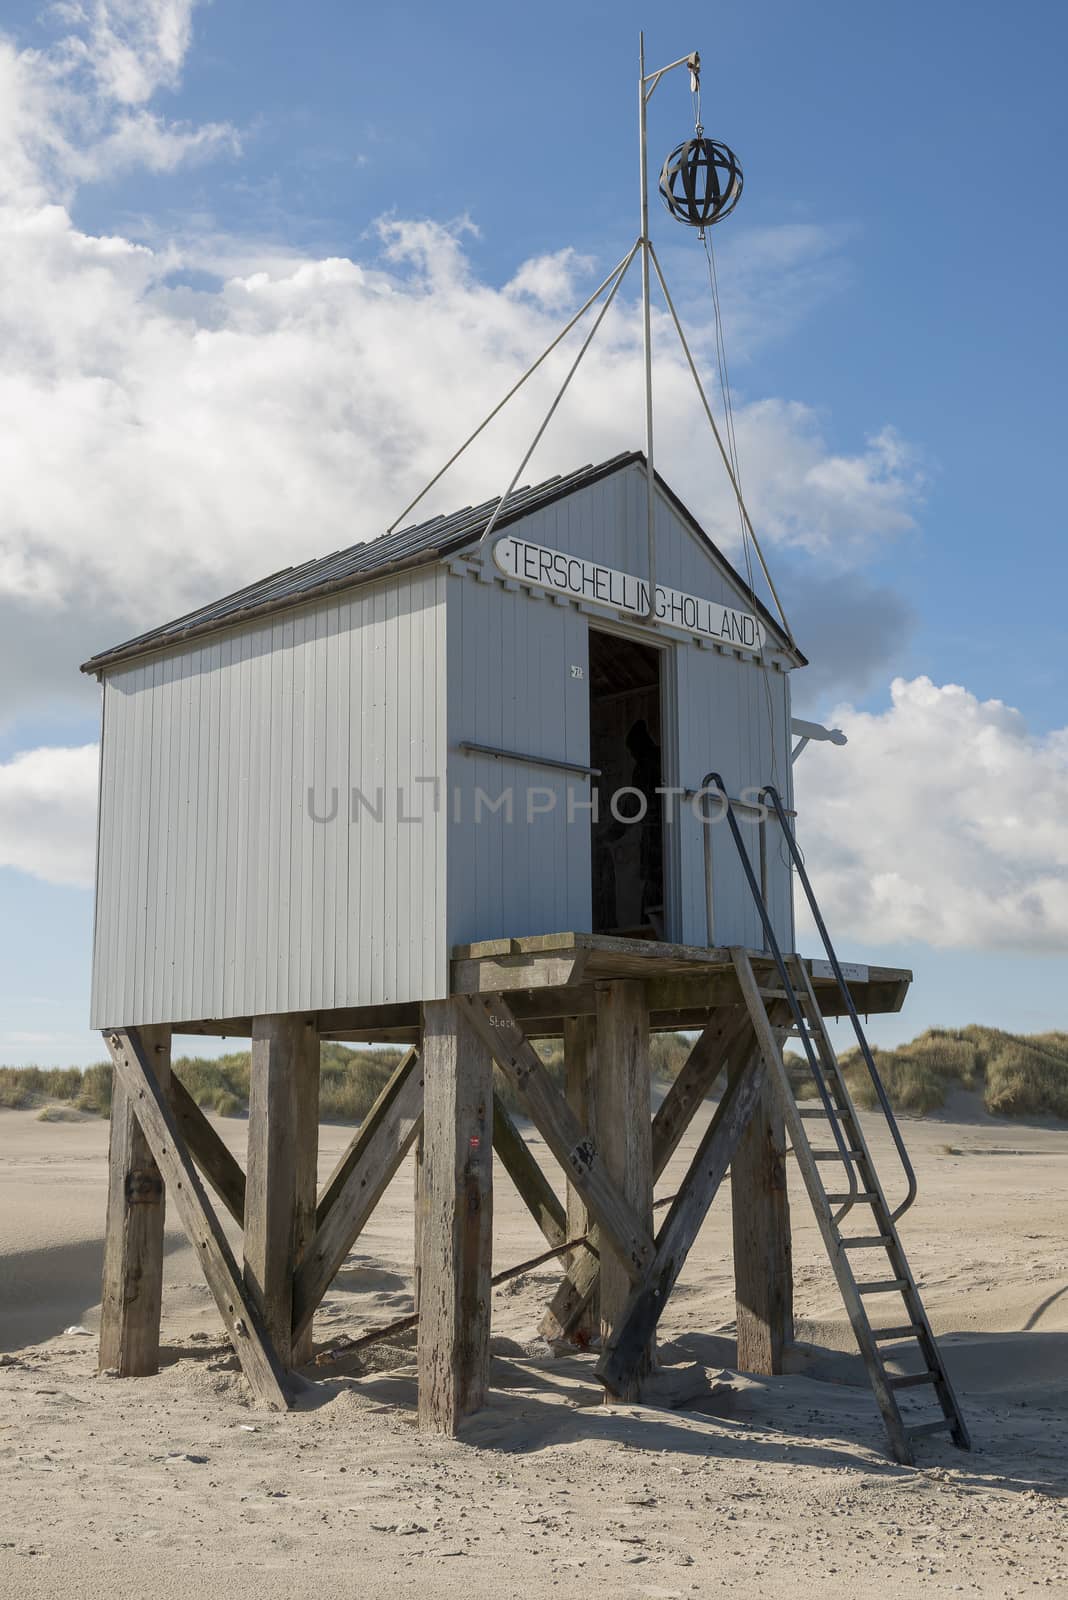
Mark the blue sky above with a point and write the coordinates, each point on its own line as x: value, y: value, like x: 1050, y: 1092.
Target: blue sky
x: 893, y: 273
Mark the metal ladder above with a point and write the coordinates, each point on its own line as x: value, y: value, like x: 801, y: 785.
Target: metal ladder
x: 843, y: 1150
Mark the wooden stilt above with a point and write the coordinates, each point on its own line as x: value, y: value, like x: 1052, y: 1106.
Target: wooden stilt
x: 454, y: 1325
x: 580, y: 1067
x: 638, y: 1321
x: 763, y: 1273
x: 419, y: 1221
x: 278, y: 1044
x: 726, y: 1036
x: 624, y: 1086
x: 305, y: 1177
x: 625, y: 1231
x: 132, y: 1292
x: 238, y: 1309
x: 386, y: 1135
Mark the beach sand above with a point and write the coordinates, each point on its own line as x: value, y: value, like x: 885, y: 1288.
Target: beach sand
x: 176, y: 1486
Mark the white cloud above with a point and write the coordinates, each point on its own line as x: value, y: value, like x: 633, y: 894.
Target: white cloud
x: 134, y: 47
x: 77, y: 110
x: 178, y: 418
x: 161, y: 443
x: 555, y: 280
x: 48, y: 813
x: 942, y: 820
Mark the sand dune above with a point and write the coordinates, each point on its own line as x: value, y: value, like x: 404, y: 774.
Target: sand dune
x: 176, y: 1486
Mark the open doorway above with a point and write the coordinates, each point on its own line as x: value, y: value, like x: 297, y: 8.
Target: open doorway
x: 626, y: 746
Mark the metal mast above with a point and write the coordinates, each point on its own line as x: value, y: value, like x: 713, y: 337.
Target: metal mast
x: 709, y: 206
x: 647, y: 333
x: 646, y: 85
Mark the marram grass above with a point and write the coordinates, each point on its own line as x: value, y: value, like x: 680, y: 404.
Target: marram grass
x: 1016, y: 1075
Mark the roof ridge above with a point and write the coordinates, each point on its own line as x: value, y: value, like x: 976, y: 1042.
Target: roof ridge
x: 419, y: 543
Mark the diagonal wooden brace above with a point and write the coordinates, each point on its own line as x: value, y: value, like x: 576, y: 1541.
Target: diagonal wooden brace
x: 359, y: 1181
x: 364, y: 1135
x: 255, y: 1352
x: 726, y: 1039
x: 532, y: 1185
x: 621, y: 1228
x: 215, y: 1161
x: 624, y: 1352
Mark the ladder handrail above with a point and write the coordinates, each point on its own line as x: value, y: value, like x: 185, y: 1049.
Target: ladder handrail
x: 865, y: 1049
x: 713, y: 779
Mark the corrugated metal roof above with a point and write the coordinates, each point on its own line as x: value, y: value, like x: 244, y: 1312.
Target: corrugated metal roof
x: 423, y: 542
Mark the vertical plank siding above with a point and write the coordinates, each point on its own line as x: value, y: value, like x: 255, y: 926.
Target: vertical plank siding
x: 734, y: 719
x: 510, y: 686
x: 218, y: 895
x: 510, y: 653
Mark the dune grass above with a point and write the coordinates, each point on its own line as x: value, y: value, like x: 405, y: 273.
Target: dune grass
x: 86, y: 1089
x: 350, y: 1082
x: 1016, y: 1076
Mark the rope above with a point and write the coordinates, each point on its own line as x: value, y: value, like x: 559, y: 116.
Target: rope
x: 327, y: 1358
x: 732, y: 450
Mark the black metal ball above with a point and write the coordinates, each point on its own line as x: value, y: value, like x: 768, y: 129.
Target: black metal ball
x: 701, y: 182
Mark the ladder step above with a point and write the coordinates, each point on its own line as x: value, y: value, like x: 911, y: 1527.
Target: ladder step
x: 942, y: 1426
x: 804, y: 1021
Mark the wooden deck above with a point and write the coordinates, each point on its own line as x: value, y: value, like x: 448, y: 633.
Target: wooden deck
x: 552, y: 977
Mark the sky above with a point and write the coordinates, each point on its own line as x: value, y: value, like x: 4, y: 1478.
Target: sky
x: 261, y: 266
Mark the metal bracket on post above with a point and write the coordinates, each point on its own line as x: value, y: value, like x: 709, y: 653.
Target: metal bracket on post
x: 144, y: 1187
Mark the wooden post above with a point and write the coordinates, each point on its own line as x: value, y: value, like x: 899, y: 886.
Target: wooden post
x: 580, y: 1068
x: 360, y: 1179
x: 625, y: 1141
x: 625, y: 1231
x: 279, y: 1043
x: 763, y: 1273
x: 635, y: 1329
x: 237, y: 1308
x: 454, y: 1325
x: 132, y: 1294
x: 727, y: 1037
x: 305, y: 1178
x: 419, y: 1219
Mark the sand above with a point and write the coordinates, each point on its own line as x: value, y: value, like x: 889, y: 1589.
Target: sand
x: 177, y: 1486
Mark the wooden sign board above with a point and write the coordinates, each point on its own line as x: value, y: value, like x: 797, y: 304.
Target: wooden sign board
x: 622, y: 591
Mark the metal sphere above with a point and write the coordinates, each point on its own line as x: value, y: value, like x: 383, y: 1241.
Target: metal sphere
x: 701, y: 182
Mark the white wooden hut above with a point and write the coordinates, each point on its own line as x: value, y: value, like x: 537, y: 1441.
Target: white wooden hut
x: 452, y: 792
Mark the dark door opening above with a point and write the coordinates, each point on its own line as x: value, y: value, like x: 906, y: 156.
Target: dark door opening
x: 625, y: 745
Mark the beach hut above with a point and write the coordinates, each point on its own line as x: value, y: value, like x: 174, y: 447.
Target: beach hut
x: 466, y: 794
x: 516, y: 773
